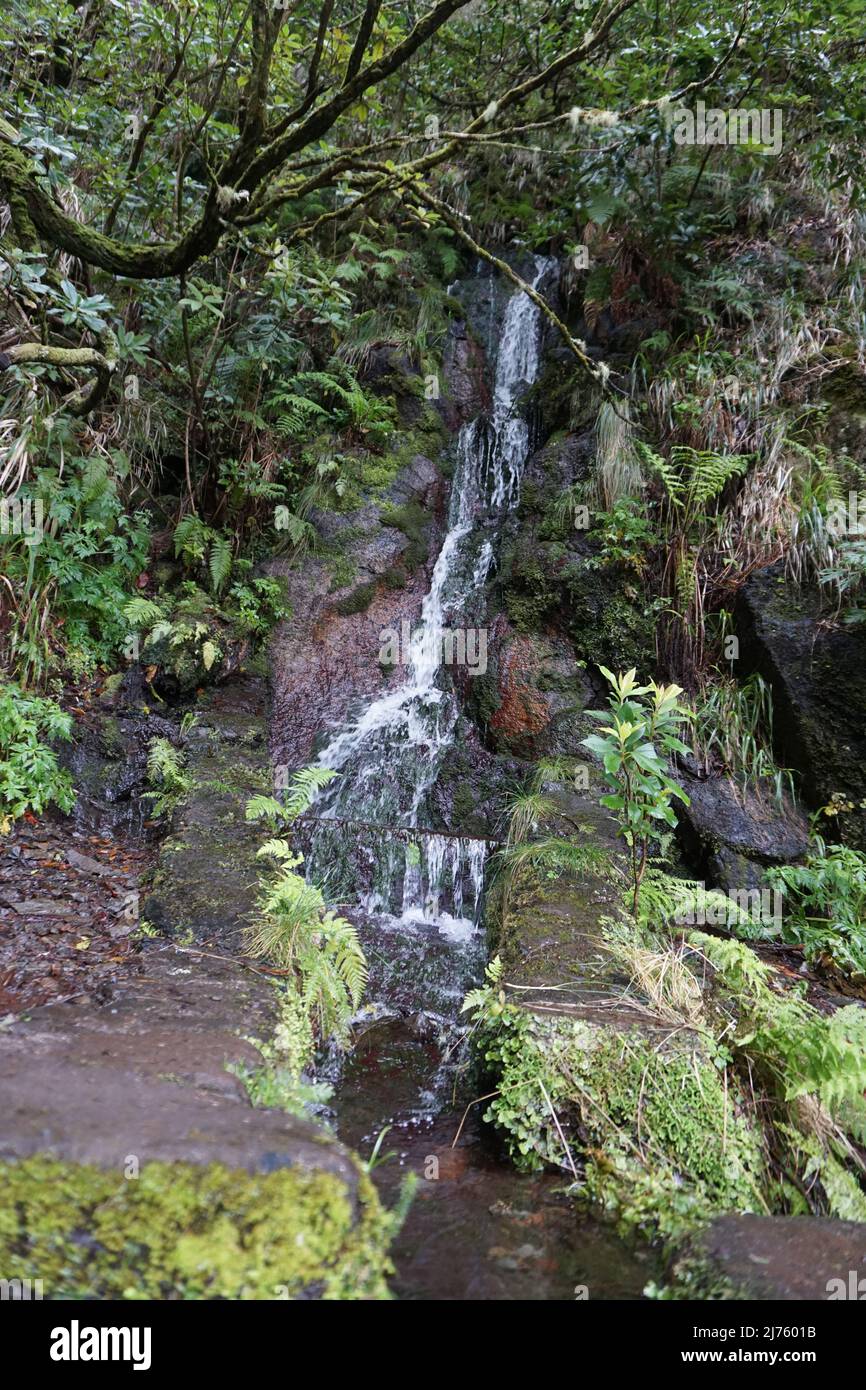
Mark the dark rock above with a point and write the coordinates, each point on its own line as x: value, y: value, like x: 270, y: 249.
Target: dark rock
x: 204, y: 885
x: 817, y: 670
x: 468, y: 385
x: 148, y: 1077
x: 733, y: 834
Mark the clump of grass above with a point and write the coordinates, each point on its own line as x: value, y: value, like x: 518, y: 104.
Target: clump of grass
x: 617, y: 466
x: 733, y: 726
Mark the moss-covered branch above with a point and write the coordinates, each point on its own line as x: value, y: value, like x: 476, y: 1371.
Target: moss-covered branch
x: 102, y: 365
x: 599, y: 370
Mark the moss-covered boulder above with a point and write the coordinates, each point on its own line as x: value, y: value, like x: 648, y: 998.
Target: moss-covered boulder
x: 176, y: 1231
x: 592, y: 1073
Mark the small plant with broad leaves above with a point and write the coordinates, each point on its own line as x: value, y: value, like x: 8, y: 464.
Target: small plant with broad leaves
x: 639, y: 736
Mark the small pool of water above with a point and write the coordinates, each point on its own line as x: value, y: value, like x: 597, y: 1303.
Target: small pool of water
x: 477, y: 1229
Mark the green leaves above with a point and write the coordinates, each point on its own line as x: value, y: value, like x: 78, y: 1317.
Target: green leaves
x: 219, y: 562
x: 634, y: 752
x: 810, y: 1054
x: 30, y: 775
x: 310, y: 942
x: 82, y: 311
x: 825, y: 901
x: 200, y: 545
x: 264, y: 808
x: 300, y: 795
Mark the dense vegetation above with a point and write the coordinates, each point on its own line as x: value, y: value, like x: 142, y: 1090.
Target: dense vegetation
x: 227, y: 227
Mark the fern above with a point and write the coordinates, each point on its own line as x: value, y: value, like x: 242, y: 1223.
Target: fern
x: 808, y: 1053
x: 304, y: 789
x: 300, y: 934
x: 220, y: 561
x: 263, y: 808
x: 692, y: 478
x: 142, y: 612
x: 191, y: 539
x: 167, y: 776
x: 295, y: 928
x: 277, y: 849
x: 665, y: 899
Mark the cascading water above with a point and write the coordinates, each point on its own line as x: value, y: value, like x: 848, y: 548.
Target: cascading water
x: 477, y: 1228
x: 389, y: 758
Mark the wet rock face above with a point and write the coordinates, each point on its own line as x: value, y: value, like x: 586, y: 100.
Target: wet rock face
x: 733, y: 835
x: 818, y: 674
x: 531, y: 698
x: 558, y: 465
x: 469, y: 386
x: 108, y: 761
x: 473, y: 786
x: 325, y: 658
x: 550, y: 578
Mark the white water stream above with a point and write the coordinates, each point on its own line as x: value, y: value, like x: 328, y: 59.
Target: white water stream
x: 390, y: 757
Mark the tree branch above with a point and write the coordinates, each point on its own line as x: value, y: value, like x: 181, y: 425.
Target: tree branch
x: 102, y: 364
x: 368, y: 19
x: 598, y: 370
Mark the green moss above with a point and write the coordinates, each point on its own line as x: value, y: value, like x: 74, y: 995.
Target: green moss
x: 693, y: 1277
x: 343, y: 571
x: 375, y: 473
x: 412, y: 519
x: 181, y: 1232
x: 666, y: 1143
x: 395, y: 578
x: 531, y: 589
x: 463, y: 803
x: 358, y: 599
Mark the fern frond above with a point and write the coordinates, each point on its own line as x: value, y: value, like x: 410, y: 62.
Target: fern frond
x: 278, y: 849
x: 305, y: 787
x: 263, y: 807
x: 220, y: 561
x: 142, y: 612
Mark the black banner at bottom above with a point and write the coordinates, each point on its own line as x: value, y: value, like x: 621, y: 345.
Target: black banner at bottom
x: 82, y: 1339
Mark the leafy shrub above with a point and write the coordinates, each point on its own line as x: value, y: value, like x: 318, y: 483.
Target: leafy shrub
x: 70, y: 588
x: 639, y: 735
x: 825, y: 902
x: 30, y: 776
x: 626, y: 533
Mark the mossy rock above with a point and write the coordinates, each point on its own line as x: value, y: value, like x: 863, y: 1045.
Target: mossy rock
x: 358, y: 600
x: 664, y: 1139
x: 413, y: 520
x: 182, y: 1232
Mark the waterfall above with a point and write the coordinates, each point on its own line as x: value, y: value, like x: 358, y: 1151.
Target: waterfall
x: 390, y: 756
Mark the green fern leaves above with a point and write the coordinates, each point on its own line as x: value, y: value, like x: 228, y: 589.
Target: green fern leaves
x: 296, y: 929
